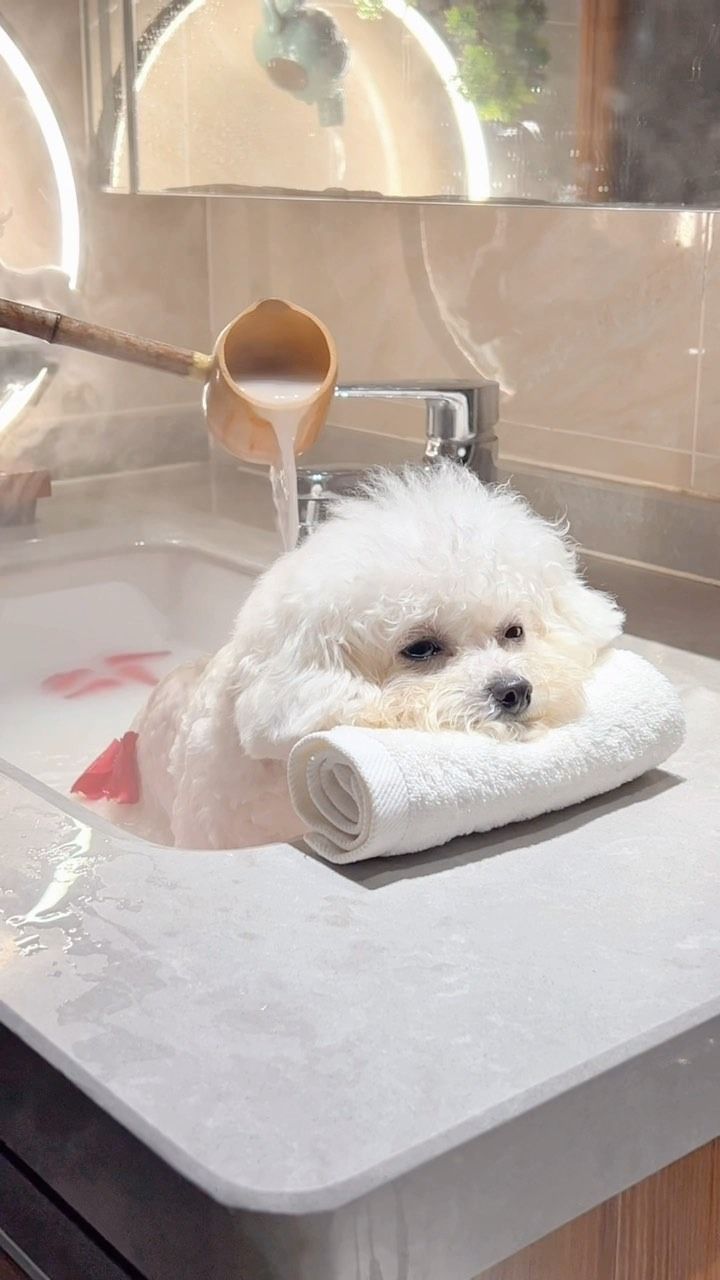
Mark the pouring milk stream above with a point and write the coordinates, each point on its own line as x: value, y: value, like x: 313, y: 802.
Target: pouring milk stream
x: 277, y: 396
x: 268, y: 394
x: 268, y: 383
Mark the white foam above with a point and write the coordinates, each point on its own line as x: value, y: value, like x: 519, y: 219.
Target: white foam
x: 279, y: 391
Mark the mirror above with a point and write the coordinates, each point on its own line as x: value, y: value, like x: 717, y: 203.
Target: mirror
x: 39, y: 223
x: 559, y: 101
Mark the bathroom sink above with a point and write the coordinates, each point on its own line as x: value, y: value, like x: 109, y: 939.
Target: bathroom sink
x: 92, y: 619
x: 228, y: 1064
x: 89, y: 624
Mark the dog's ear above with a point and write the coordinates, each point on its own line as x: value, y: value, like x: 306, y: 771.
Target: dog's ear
x: 595, y: 618
x: 293, y: 689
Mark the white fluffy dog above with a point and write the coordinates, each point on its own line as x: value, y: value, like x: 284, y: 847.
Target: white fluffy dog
x: 429, y: 603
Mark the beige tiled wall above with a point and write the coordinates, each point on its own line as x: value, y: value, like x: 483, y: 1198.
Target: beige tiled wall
x: 600, y: 326
x: 706, y: 474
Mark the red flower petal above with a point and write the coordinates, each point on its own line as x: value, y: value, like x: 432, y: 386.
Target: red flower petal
x: 114, y: 775
x: 124, y: 783
x: 116, y: 658
x: 93, y: 782
x: 135, y: 671
x: 64, y: 680
x: 95, y: 686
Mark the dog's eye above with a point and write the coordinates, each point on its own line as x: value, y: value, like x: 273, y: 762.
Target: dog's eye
x: 515, y: 632
x: 422, y: 650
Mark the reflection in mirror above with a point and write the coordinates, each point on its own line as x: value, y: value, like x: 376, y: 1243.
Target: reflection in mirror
x: 39, y: 223
x: 563, y: 101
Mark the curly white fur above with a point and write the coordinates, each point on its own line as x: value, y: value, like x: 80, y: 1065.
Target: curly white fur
x: 319, y: 642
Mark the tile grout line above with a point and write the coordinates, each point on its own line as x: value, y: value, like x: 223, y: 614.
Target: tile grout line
x: 166, y: 409
x: 208, y: 267
x: 508, y: 461
x: 591, y: 435
x: 707, y: 249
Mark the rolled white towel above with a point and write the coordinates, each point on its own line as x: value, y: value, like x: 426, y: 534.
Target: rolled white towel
x: 368, y: 793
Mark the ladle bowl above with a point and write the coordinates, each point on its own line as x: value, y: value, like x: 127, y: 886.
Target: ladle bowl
x: 271, y: 341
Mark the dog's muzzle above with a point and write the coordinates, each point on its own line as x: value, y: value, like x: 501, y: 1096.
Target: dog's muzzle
x: 511, y: 696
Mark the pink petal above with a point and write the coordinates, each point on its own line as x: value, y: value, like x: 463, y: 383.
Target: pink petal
x: 134, y: 671
x: 95, y: 686
x: 116, y: 658
x: 64, y: 680
x: 114, y: 775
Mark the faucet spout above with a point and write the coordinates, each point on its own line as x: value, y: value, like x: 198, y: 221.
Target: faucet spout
x: 460, y: 420
x: 460, y: 417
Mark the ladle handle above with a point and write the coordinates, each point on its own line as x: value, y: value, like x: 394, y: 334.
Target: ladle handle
x: 53, y: 326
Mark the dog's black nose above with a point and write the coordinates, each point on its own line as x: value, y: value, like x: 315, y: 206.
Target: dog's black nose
x: 511, y: 695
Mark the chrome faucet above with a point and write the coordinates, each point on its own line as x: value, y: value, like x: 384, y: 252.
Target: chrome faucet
x: 460, y: 422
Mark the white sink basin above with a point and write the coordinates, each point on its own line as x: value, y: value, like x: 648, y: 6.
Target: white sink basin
x: 91, y: 619
x: 87, y: 631
x: 252, y: 1041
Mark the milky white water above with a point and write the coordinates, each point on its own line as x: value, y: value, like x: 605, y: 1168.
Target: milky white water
x: 84, y: 642
x: 84, y: 639
x: 284, y: 401
x: 279, y: 391
x: 54, y: 734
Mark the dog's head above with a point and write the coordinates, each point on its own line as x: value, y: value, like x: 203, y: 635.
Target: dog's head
x: 430, y: 603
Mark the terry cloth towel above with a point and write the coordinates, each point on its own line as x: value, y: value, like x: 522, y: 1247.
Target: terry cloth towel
x: 368, y: 793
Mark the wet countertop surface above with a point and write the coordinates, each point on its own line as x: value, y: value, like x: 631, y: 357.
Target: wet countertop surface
x: 455, y: 1023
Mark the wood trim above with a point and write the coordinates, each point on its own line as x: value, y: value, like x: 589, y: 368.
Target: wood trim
x: 583, y: 1250
x: 669, y: 1226
x: 600, y: 42
x: 665, y: 1228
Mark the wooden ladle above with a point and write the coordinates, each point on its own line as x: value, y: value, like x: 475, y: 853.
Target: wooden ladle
x: 271, y: 340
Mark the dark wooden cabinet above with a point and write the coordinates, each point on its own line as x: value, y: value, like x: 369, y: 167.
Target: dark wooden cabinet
x: 665, y: 1228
